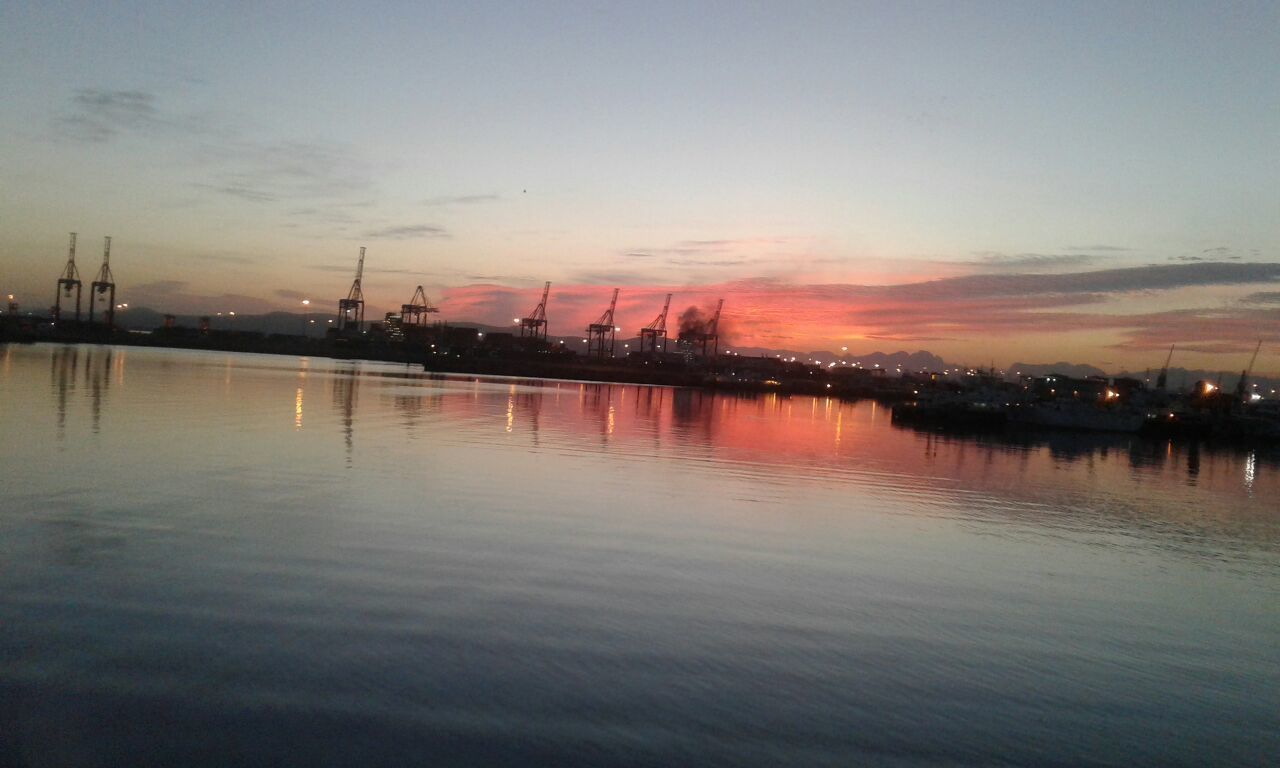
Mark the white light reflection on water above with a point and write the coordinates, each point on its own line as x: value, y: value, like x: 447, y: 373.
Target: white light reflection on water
x: 500, y: 572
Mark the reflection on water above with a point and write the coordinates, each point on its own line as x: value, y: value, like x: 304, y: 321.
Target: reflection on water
x: 345, y: 387
x: 546, y: 572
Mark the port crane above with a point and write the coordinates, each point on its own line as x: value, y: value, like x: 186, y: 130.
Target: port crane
x: 710, y: 334
x: 535, y: 325
x: 650, y: 334
x: 70, y: 279
x: 105, y: 283
x: 411, y: 314
x: 603, y: 329
x: 351, y: 309
x: 1243, y: 386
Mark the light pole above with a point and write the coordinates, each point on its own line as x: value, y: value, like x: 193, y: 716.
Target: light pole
x: 305, y: 303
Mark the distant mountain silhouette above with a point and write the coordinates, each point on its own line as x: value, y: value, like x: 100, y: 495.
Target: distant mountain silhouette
x: 1074, y: 370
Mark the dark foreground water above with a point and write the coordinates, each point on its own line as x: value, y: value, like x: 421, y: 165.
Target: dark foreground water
x: 215, y: 559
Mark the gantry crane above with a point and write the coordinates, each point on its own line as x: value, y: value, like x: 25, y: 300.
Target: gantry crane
x: 710, y: 334
x: 535, y: 325
x: 603, y: 329
x: 105, y: 283
x: 650, y: 334
x: 411, y: 314
x: 351, y: 309
x: 70, y: 279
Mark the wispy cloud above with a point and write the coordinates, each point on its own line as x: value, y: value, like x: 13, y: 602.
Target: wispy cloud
x: 1148, y: 278
x: 374, y: 270
x: 240, y: 190
x: 611, y: 277
x: 287, y: 170
x: 224, y: 258
x: 444, y: 200
x: 1098, y: 248
x: 709, y: 262
x: 229, y: 163
x: 408, y: 232
x: 1021, y: 261
x: 98, y: 115
x: 714, y: 248
x: 1262, y: 297
x: 736, y: 242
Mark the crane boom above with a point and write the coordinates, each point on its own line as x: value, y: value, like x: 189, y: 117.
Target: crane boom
x: 357, y: 293
x: 660, y: 322
x: 71, y: 272
x: 540, y: 311
x: 1254, y: 359
x: 714, y: 325
x: 607, y: 317
x: 1163, y: 378
x: 535, y: 325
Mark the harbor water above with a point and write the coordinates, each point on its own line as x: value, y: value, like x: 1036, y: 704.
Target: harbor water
x: 226, y: 559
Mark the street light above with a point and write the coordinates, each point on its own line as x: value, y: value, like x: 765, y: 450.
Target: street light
x: 305, y: 304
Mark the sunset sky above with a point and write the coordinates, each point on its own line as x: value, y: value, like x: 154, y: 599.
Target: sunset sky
x: 1036, y: 182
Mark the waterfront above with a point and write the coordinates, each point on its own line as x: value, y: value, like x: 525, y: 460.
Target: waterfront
x: 214, y: 558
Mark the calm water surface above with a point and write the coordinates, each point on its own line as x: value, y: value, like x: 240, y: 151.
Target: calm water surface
x: 211, y: 559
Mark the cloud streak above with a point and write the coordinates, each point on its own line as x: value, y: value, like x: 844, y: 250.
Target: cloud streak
x: 991, y: 260
x: 232, y: 165
x: 98, y: 115
x: 408, y: 232
x: 1262, y: 297
x: 447, y: 200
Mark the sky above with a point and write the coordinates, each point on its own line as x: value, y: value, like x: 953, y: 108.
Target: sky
x: 987, y: 181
